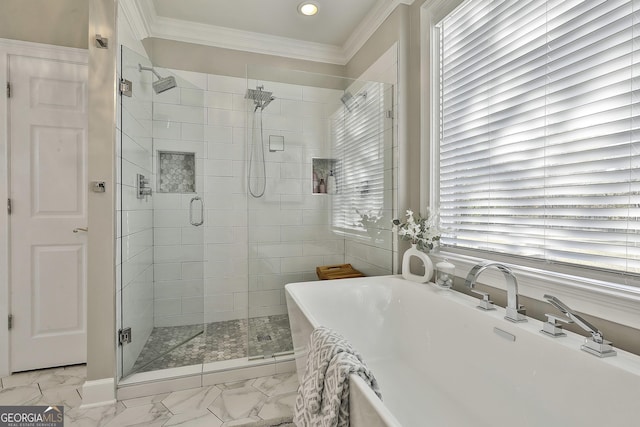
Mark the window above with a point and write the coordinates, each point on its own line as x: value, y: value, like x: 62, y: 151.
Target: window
x: 539, y: 152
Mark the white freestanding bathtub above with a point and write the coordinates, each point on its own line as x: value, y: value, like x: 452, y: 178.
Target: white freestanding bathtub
x: 441, y: 362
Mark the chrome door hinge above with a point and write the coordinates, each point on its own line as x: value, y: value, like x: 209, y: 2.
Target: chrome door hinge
x: 10, y: 322
x: 126, y: 87
x: 124, y: 336
x: 9, y: 206
x: 8, y: 90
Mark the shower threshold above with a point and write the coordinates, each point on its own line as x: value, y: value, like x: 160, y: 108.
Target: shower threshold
x: 262, y: 356
x: 201, y: 375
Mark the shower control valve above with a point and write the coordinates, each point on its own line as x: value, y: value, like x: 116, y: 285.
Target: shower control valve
x: 143, y: 190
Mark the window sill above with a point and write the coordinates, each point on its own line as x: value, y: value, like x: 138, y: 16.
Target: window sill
x: 607, y: 300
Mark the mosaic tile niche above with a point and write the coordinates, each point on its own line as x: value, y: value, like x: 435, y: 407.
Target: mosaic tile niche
x: 177, y: 172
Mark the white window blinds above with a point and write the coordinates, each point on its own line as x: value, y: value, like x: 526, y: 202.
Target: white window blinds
x: 539, y: 132
x: 358, y: 139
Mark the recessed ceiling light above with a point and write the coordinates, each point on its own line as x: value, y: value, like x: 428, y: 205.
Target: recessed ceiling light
x: 308, y: 8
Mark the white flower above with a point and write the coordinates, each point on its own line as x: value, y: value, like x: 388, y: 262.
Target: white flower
x: 423, y: 232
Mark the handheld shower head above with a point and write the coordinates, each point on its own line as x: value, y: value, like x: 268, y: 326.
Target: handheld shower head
x: 163, y: 83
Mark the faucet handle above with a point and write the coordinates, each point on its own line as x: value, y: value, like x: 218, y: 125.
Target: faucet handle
x: 553, y: 325
x: 602, y: 348
x: 485, y: 303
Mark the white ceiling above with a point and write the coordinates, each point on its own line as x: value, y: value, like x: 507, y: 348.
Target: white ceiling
x: 333, y: 24
x: 271, y: 27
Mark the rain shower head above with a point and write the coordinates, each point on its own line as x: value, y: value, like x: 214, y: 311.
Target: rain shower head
x: 347, y: 100
x: 351, y: 101
x: 260, y: 97
x: 163, y: 83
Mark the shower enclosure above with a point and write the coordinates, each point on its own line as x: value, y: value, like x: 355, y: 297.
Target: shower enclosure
x: 219, y: 206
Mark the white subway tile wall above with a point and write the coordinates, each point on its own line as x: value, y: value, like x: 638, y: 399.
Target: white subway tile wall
x: 273, y: 225
x: 278, y: 234
x: 179, y: 120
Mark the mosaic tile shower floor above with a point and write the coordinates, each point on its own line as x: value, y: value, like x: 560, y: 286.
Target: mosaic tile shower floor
x: 213, y: 342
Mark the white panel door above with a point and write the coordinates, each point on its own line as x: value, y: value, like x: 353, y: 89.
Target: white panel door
x: 48, y: 190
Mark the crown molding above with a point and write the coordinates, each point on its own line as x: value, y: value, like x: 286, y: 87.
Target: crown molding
x: 228, y: 38
x: 369, y: 25
x: 140, y: 14
x: 146, y: 23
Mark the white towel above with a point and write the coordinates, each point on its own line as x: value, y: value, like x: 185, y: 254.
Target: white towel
x: 323, y: 396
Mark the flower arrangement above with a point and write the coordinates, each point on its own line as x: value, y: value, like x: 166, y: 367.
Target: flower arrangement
x: 422, y: 232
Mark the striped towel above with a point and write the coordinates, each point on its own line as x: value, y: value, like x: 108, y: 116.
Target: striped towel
x: 323, y: 395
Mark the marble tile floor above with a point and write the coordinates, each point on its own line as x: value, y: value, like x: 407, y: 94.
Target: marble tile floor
x: 175, y: 346
x: 221, y: 405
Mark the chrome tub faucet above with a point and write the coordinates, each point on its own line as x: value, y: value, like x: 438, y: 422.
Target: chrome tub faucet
x: 595, y: 345
x: 515, y: 311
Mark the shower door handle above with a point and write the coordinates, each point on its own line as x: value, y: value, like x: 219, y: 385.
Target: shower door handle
x: 191, y: 220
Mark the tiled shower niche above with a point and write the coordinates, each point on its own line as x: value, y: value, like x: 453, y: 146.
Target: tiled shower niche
x: 321, y: 170
x: 177, y: 172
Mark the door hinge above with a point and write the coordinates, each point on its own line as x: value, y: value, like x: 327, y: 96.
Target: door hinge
x: 9, y: 206
x: 126, y: 87
x: 10, y: 322
x: 389, y: 114
x: 8, y: 90
x: 124, y: 336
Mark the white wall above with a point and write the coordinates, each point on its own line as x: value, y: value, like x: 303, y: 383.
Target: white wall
x: 60, y: 23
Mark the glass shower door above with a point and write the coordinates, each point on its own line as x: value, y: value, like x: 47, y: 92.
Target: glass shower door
x: 325, y: 196
x: 161, y: 219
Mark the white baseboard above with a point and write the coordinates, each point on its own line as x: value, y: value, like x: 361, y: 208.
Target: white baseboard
x: 98, y: 393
